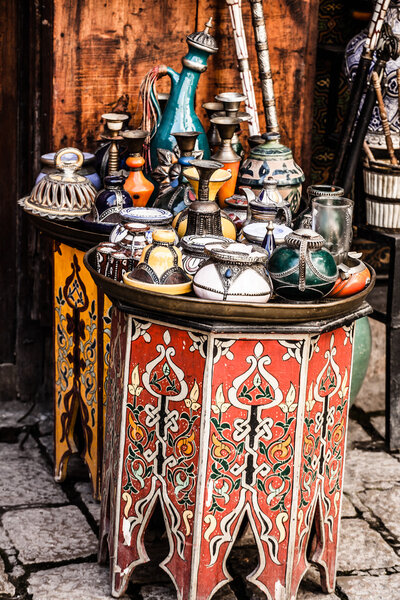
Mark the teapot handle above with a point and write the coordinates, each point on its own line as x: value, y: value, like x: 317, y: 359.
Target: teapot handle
x: 250, y: 195
x: 287, y: 214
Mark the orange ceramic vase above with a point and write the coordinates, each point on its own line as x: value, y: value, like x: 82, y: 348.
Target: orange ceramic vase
x: 226, y: 127
x: 228, y: 189
x: 136, y: 184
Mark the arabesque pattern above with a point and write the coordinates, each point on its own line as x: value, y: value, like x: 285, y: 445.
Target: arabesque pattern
x: 218, y: 428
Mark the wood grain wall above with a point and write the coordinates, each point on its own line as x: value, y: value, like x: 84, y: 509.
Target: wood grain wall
x: 8, y: 177
x: 103, y: 49
x: 64, y: 63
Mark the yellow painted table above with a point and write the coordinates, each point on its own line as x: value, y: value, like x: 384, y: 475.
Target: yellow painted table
x: 82, y: 318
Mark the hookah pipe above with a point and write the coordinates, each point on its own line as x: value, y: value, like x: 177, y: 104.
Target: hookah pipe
x: 358, y: 86
x: 388, y: 49
x: 264, y: 66
x: 239, y: 36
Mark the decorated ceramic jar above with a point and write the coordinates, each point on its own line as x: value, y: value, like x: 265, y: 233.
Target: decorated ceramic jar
x: 111, y: 200
x: 160, y: 267
x: 273, y: 159
x: 354, y: 276
x: 64, y: 194
x: 375, y: 136
x: 103, y: 254
x: 193, y: 250
x: 86, y: 170
x: 154, y: 218
x: 118, y: 264
x: 236, y: 209
x: 234, y: 272
x: 301, y: 268
x: 131, y: 237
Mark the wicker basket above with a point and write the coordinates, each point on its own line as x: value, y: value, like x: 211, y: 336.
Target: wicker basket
x: 382, y: 195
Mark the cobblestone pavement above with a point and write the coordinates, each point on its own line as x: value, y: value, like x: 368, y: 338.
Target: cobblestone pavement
x: 48, y: 531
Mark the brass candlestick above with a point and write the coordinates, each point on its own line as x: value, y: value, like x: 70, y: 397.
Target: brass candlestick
x: 114, y: 123
x: 226, y: 154
x: 213, y: 108
x: 231, y: 102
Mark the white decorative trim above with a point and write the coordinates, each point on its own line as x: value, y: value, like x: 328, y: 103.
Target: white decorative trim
x: 121, y: 449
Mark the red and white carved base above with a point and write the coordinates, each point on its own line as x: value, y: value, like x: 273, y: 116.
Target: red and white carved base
x: 218, y: 426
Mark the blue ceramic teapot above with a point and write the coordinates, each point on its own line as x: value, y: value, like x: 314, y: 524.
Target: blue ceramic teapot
x: 179, y: 114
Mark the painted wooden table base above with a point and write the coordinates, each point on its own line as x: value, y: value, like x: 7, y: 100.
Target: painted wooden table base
x: 218, y: 426
x: 82, y: 319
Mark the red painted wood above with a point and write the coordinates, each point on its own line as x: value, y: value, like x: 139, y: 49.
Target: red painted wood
x: 219, y: 428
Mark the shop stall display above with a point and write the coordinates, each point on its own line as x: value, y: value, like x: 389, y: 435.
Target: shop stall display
x: 225, y: 364
x: 220, y: 419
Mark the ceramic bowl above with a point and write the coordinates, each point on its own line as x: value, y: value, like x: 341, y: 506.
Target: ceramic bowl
x: 155, y: 218
x: 354, y: 276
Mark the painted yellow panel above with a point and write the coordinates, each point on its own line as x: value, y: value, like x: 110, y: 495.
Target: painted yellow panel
x: 81, y: 345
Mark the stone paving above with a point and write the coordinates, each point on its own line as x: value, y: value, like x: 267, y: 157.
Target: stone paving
x: 48, y: 531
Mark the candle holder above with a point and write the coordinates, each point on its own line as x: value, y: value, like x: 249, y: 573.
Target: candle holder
x: 275, y: 159
x: 226, y: 127
x: 231, y: 102
x: 204, y: 216
x: 205, y: 188
x: 114, y: 123
x: 175, y: 192
x: 213, y: 109
x: 136, y: 184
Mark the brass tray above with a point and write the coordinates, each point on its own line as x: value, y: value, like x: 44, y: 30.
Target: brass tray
x: 68, y: 232
x: 273, y: 311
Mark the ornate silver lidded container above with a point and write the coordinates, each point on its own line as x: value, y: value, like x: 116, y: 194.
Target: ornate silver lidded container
x: 193, y: 250
x: 301, y: 268
x: 235, y: 273
x: 65, y: 194
x: 87, y: 170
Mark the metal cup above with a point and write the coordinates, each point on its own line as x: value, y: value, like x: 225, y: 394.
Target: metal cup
x: 324, y: 190
x: 119, y: 263
x: 332, y: 218
x: 103, y: 254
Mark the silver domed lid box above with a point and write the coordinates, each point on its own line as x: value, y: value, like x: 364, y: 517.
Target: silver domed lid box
x: 234, y: 272
x: 64, y: 194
